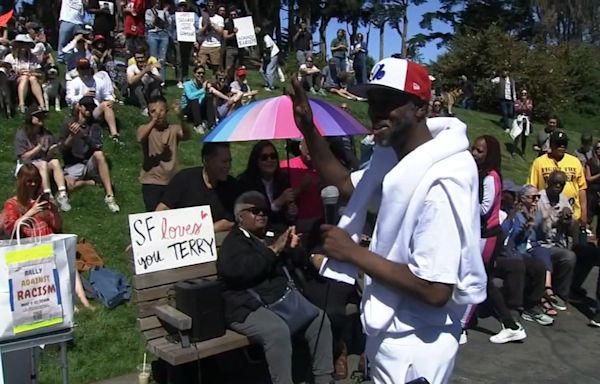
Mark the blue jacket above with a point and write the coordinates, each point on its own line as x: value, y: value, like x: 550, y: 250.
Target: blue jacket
x: 192, y: 92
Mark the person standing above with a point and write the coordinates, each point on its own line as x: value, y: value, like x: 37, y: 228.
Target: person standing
x: 157, y: 35
x: 542, y: 144
x: 423, y: 265
x: 71, y: 18
x: 507, y: 94
x: 359, y: 52
x: 211, y: 30
x: 592, y: 177
x: 303, y: 43
x: 522, y: 125
x: 134, y: 24
x: 559, y: 159
x: 585, y: 152
x: 232, y: 52
x: 270, y: 61
x: 105, y: 18
x: 339, y: 50
x: 468, y: 90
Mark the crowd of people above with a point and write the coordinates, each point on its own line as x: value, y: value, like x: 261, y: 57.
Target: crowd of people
x: 536, y: 238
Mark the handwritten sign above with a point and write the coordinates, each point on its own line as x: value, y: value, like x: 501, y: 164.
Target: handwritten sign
x: 186, y: 26
x: 172, y: 239
x: 107, y: 6
x: 245, y: 35
x: 34, y: 287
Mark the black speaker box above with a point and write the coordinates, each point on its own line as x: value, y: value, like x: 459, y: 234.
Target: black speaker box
x: 201, y: 300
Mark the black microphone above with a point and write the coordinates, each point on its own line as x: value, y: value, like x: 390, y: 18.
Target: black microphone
x: 330, y: 196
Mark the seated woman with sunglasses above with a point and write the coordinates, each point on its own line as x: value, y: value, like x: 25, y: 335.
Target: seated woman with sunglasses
x: 197, y: 102
x: 263, y: 174
x: 252, y: 270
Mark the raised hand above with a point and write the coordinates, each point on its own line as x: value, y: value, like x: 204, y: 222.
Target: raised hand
x: 303, y: 115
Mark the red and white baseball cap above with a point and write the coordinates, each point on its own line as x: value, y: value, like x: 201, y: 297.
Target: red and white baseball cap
x: 397, y: 74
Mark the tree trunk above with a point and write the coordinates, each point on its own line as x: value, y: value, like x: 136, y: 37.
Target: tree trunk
x: 405, y: 34
x: 291, y: 25
x: 381, y: 32
x: 323, y: 36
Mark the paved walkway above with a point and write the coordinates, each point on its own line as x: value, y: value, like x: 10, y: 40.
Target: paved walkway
x: 567, y: 352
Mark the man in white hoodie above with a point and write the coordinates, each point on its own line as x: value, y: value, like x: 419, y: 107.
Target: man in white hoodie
x: 423, y: 265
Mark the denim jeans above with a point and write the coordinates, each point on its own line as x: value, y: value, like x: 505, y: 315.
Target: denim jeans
x: 66, y: 32
x: 508, y: 112
x: 360, y: 68
x: 301, y: 56
x: 340, y: 63
x: 268, y: 73
x: 158, y: 42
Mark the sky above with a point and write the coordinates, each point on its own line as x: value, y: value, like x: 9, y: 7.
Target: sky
x: 392, y: 42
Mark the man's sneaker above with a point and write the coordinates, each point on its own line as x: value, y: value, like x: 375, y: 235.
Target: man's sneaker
x: 200, y: 128
x: 268, y: 89
x: 63, y: 202
x: 463, y: 337
x: 312, y: 91
x: 116, y: 140
x: 558, y: 303
x: 322, y: 92
x: 111, y: 204
x: 595, y: 321
x: 535, y: 314
x: 507, y: 335
x: 180, y: 85
x: 145, y: 112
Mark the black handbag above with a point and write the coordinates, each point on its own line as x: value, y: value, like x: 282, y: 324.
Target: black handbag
x: 292, y: 307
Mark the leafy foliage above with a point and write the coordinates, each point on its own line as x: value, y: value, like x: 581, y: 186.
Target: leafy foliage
x: 559, y: 77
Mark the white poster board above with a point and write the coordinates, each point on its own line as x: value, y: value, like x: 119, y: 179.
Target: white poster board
x: 186, y: 26
x: 107, y: 5
x: 172, y: 239
x: 245, y: 32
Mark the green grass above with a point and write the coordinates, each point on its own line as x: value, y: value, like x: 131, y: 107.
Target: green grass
x: 107, y: 343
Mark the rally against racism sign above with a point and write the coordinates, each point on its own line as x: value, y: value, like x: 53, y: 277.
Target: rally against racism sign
x: 245, y: 31
x: 186, y: 26
x: 172, y: 239
x: 34, y: 287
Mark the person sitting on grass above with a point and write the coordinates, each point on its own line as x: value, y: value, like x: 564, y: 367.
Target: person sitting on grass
x: 159, y: 141
x: 310, y: 77
x: 99, y: 86
x: 81, y: 143
x: 34, y: 144
x: 240, y: 85
x: 197, y: 102
x: 143, y: 79
x: 208, y: 185
x: 79, y: 48
x: 32, y: 211
x: 26, y: 67
x: 336, y: 82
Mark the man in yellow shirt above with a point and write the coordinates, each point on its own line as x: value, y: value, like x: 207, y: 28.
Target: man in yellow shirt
x: 559, y: 159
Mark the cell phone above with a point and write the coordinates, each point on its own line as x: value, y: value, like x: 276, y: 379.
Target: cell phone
x: 44, y: 197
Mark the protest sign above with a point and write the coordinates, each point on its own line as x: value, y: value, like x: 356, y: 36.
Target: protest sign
x: 34, y: 287
x: 107, y: 6
x: 186, y: 26
x: 171, y: 239
x: 245, y: 32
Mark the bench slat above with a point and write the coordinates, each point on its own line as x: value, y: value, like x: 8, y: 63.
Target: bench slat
x: 148, y: 323
x: 159, y: 292
x: 175, y: 355
x: 146, y: 308
x: 154, y: 334
x: 154, y: 279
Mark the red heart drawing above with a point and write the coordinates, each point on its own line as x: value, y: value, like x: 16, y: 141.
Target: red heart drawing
x: 203, y: 215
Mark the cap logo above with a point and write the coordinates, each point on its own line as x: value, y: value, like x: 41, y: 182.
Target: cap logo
x: 416, y: 87
x: 378, y: 73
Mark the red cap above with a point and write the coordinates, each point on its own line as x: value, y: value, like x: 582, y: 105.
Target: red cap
x: 241, y: 71
x: 99, y: 38
x: 83, y: 63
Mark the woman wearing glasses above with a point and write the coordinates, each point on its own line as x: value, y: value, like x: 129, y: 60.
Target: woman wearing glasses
x: 197, y: 103
x: 263, y: 174
x: 251, y: 266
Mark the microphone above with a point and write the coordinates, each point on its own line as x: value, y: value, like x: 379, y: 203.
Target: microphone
x: 330, y: 196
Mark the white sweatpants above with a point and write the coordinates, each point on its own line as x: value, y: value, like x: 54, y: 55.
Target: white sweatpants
x: 399, y: 360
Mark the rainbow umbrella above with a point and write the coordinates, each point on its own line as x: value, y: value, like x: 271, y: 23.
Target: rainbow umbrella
x: 273, y: 119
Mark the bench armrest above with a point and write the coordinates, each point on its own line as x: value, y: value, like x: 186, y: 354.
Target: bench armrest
x: 173, y: 317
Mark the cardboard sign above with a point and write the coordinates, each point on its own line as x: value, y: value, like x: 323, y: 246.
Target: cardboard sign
x: 245, y: 35
x: 186, y: 26
x: 172, y: 239
x: 107, y: 6
x: 34, y: 287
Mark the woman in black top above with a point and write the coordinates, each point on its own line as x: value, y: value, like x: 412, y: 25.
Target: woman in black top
x: 246, y: 262
x: 263, y: 174
x: 592, y: 176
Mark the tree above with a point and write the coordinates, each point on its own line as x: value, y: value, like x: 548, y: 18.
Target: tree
x: 398, y: 19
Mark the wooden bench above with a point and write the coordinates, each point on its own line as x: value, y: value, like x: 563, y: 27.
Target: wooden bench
x: 156, y: 319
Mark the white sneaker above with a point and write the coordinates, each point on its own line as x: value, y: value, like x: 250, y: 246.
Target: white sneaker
x: 463, y: 337
x: 507, y: 335
x: 63, y: 202
x: 145, y: 112
x: 200, y: 128
x: 111, y: 204
x: 180, y: 85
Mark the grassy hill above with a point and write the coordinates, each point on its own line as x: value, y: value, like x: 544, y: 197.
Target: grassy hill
x: 107, y: 343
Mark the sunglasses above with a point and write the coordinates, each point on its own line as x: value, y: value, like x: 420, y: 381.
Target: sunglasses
x: 268, y: 156
x: 597, y: 148
x: 533, y: 197
x: 256, y: 211
x: 200, y: 73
